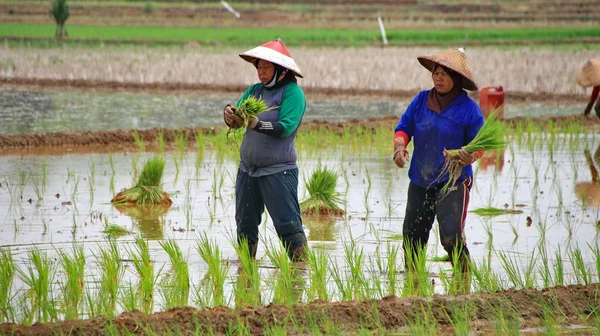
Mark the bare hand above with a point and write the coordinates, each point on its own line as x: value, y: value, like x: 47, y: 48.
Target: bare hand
x: 230, y: 118
x: 400, y: 156
x: 252, y: 122
x: 465, y: 158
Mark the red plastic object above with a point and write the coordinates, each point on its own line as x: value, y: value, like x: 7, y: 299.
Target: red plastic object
x: 491, y: 97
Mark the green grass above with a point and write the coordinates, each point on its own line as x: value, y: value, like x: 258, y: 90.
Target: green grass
x: 491, y: 211
x: 295, y: 36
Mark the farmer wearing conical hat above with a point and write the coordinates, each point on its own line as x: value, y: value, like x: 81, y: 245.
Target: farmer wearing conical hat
x: 437, y: 119
x: 589, y: 76
x: 268, y: 173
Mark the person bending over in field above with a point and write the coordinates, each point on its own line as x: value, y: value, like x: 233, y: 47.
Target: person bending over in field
x: 268, y: 172
x: 589, y: 76
x: 437, y: 119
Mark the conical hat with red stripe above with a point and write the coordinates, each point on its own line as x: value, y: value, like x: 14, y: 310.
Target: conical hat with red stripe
x: 274, y: 52
x: 454, y: 59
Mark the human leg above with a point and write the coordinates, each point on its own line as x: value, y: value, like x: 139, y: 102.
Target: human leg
x: 451, y: 215
x: 418, y: 220
x: 249, y: 208
x: 280, y: 194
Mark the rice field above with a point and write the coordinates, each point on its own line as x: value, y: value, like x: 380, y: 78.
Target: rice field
x: 67, y: 252
x: 517, y: 69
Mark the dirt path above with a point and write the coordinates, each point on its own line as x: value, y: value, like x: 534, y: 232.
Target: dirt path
x: 567, y: 304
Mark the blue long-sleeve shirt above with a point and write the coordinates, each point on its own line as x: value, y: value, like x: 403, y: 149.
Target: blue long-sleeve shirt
x: 432, y: 132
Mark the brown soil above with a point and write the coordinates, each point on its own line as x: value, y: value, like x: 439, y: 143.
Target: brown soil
x: 569, y: 304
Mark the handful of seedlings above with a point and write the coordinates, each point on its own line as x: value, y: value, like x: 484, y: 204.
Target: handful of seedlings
x: 489, y: 137
x: 248, y: 108
x: 148, y: 189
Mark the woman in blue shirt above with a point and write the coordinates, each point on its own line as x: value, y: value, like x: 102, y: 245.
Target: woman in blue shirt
x: 437, y: 119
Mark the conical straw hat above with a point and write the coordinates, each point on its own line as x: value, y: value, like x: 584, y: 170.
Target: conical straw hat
x: 589, y: 75
x: 453, y: 59
x: 274, y: 52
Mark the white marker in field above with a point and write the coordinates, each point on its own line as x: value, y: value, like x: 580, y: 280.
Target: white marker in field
x: 229, y: 8
x: 382, y: 30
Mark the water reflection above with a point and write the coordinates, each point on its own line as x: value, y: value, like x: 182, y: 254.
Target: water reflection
x: 589, y: 192
x: 149, y: 218
x: 320, y: 228
x: 492, y: 159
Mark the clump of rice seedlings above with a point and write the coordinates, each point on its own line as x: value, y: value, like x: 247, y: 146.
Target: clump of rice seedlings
x: 111, y: 273
x: 317, y: 266
x: 217, y: 270
x: 7, y: 275
x: 323, y: 199
x: 73, y: 267
x: 148, y: 189
x: 491, y: 211
x: 177, y: 281
x: 144, y: 268
x: 489, y: 137
x: 248, y: 108
x: 247, y: 285
x: 39, y: 277
x: 116, y: 230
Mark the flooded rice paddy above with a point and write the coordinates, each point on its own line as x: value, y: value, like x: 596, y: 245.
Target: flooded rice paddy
x: 30, y: 112
x: 52, y: 203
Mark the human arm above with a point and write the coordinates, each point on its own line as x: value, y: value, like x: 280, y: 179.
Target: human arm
x: 404, y: 127
x: 593, y: 97
x: 291, y: 111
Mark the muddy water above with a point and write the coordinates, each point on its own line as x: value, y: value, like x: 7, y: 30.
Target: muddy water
x: 29, y: 112
x: 71, y: 205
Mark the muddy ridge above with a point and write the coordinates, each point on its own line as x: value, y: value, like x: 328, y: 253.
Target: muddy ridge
x: 525, y: 306
x: 116, y: 140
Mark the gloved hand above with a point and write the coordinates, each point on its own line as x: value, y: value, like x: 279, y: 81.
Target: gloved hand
x: 465, y: 158
x: 400, y: 156
x: 230, y: 118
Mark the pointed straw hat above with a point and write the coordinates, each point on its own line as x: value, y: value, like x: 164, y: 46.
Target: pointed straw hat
x: 589, y: 74
x: 274, y: 52
x: 453, y: 59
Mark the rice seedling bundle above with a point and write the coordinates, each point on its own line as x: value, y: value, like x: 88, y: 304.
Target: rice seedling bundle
x: 148, y: 189
x: 323, y: 199
x: 489, y: 137
x: 248, y: 108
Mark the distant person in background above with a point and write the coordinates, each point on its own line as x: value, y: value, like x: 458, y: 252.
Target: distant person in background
x: 268, y: 172
x: 589, y: 76
x: 437, y: 119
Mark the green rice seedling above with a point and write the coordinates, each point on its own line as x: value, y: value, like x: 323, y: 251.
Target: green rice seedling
x: 491, y: 211
x: 392, y: 269
x: 355, y: 261
x: 178, y: 280
x: 284, y: 292
x: 111, y: 273
x: 217, y: 270
x: 506, y: 320
x: 180, y: 142
x: 148, y: 189
x: 115, y: 230
x: 489, y: 137
x: 317, y: 266
x: 559, y: 273
x: 582, y: 273
x: 518, y: 278
x: 596, y: 257
x: 162, y: 146
x: 7, y: 275
x: 138, y: 141
x: 37, y: 188
x: 416, y: 280
x: 128, y: 298
x: 424, y: 322
x: 367, y: 192
x: 39, y: 278
x: 200, y: 144
x: 73, y: 267
x: 323, y: 198
x: 459, y: 316
x: 144, y: 268
x: 544, y: 269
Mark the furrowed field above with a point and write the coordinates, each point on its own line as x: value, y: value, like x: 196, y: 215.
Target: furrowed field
x: 140, y: 80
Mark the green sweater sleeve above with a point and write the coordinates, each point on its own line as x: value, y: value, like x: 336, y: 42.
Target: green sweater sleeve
x: 292, y: 109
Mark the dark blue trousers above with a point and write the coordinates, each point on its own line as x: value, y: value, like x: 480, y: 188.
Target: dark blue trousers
x: 424, y: 205
x: 279, y: 193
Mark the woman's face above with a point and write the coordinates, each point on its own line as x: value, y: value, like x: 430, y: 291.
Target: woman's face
x: 442, y: 82
x: 265, y: 71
